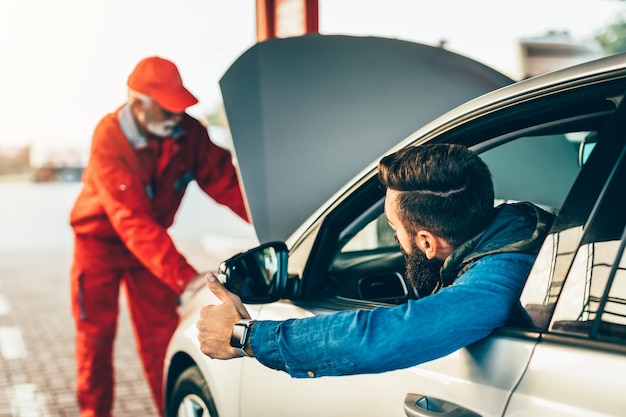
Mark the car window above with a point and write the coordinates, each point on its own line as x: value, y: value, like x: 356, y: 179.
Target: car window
x: 535, y: 167
x: 578, y: 264
x: 593, y: 299
x: 534, y: 154
x: 377, y: 234
x: 368, y: 264
x: 538, y: 168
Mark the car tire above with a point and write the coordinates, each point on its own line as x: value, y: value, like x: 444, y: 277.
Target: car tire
x: 191, y: 396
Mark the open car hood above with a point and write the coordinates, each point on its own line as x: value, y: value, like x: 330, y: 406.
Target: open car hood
x: 307, y: 114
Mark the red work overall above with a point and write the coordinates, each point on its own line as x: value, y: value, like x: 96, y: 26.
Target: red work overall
x: 131, y: 192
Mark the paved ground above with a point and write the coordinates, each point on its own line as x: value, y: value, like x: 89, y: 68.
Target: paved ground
x: 37, y: 378
x: 37, y: 363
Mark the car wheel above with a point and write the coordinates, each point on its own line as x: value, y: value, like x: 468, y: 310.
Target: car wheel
x: 191, y: 396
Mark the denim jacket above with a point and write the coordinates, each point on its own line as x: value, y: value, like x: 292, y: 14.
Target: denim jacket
x: 482, y: 281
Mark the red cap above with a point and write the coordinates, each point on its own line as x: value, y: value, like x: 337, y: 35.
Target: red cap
x: 159, y: 78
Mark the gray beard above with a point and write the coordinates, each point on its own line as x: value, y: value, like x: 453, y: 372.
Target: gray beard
x: 423, y: 273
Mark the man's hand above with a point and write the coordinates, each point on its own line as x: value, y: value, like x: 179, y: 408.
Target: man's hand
x: 216, y: 321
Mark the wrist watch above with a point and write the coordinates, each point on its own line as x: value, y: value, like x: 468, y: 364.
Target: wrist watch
x: 240, y: 335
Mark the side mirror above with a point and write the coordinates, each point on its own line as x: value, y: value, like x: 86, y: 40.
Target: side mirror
x: 258, y: 275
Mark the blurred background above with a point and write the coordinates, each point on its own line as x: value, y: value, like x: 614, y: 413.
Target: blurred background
x: 64, y: 65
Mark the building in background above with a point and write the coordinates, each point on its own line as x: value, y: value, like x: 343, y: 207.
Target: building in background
x: 44, y: 160
x: 54, y: 159
x: 554, y: 51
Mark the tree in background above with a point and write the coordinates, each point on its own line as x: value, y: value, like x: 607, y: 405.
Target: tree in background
x: 613, y: 38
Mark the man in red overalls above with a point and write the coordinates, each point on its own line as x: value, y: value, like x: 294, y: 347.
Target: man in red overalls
x: 143, y: 155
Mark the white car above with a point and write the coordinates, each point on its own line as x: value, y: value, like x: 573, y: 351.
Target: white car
x: 557, y: 140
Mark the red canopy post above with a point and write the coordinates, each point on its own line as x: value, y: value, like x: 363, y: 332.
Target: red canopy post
x: 286, y: 18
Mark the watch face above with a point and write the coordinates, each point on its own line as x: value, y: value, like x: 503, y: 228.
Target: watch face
x: 238, y: 337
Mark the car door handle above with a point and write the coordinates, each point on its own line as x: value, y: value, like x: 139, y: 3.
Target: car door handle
x: 418, y: 405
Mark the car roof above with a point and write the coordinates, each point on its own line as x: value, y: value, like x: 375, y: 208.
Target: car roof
x: 306, y: 114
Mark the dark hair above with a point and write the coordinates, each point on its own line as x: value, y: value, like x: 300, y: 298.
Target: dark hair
x: 445, y: 188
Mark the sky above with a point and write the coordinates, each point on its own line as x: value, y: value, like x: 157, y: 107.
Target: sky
x: 64, y: 63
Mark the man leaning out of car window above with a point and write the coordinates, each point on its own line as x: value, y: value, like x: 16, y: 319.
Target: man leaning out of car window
x: 468, y: 259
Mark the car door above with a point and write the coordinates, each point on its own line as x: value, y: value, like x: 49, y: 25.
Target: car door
x: 579, y: 300
x: 481, y: 377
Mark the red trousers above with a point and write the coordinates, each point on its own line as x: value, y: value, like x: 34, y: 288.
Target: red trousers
x: 98, y: 272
